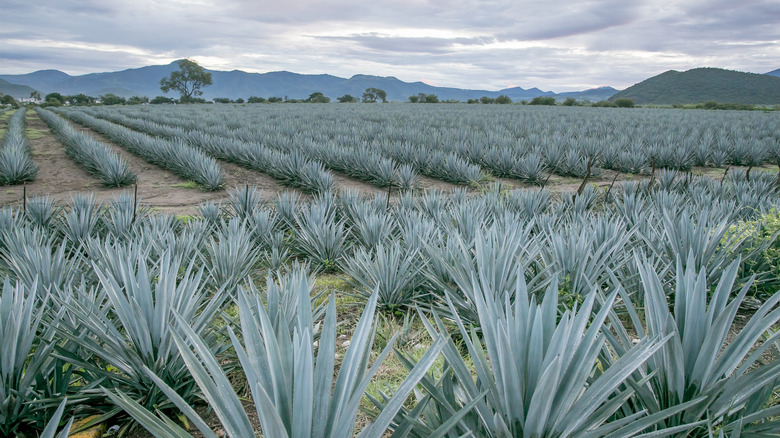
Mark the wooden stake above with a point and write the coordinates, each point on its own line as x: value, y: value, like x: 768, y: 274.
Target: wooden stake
x: 389, y: 191
x: 611, y: 185
x: 652, y: 172
x: 587, y: 175
x: 135, y: 201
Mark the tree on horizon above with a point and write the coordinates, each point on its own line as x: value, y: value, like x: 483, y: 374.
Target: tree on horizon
x: 188, y: 80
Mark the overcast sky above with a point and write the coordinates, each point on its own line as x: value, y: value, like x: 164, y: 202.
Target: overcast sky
x: 554, y: 45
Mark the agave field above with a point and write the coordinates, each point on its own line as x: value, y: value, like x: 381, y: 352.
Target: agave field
x: 394, y: 144
x: 644, y: 309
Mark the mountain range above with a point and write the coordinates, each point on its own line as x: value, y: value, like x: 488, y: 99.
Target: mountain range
x: 145, y: 81
x: 705, y: 84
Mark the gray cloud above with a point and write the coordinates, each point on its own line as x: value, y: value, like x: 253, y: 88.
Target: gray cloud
x: 490, y: 44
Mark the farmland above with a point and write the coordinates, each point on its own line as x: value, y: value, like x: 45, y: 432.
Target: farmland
x: 549, y: 272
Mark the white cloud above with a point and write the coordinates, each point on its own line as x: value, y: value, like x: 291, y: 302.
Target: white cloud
x: 492, y: 44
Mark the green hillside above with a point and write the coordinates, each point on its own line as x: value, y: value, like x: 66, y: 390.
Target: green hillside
x: 15, y: 90
x: 705, y: 84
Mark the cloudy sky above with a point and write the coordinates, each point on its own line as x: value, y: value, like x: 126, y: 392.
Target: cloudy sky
x: 484, y: 44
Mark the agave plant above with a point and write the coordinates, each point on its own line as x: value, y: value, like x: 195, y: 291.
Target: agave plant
x: 537, y: 371
x: 16, y: 164
x: 711, y: 242
x: 496, y: 256
x: 389, y: 271
x: 231, y: 254
x: 39, y: 262
x: 244, y: 202
x: 81, y: 220
x: 724, y: 382
x: 321, y: 237
x: 293, y: 389
x: 129, y: 325
x: 40, y: 210
x: 27, y: 364
x: 124, y: 212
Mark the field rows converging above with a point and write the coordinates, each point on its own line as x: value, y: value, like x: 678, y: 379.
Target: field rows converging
x: 463, y: 145
x: 535, y: 297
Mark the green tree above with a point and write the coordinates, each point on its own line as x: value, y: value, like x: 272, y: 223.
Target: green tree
x: 318, y: 97
x: 570, y: 101
x: 35, y: 95
x: 112, y: 99
x: 255, y: 99
x: 54, y: 99
x: 503, y: 100
x: 80, y: 99
x: 275, y: 99
x: 431, y: 98
x: 486, y: 99
x: 542, y: 100
x: 240, y: 100
x: 137, y: 100
x: 624, y: 102
x: 222, y: 100
x: 7, y: 99
x: 414, y: 99
x: 347, y: 98
x: 371, y: 95
x: 188, y: 80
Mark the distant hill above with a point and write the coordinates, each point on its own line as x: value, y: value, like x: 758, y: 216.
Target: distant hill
x: 145, y: 81
x: 15, y: 90
x: 705, y: 84
x: 593, y: 94
x: 774, y: 73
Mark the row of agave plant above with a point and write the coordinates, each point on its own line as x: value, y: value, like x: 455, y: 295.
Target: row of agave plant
x: 293, y: 169
x: 97, y: 157
x: 461, y: 144
x: 362, y: 164
x: 175, y: 155
x: 16, y: 163
x: 560, y: 311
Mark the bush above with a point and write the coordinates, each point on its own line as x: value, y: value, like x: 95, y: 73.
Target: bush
x: 766, y: 266
x: 542, y: 100
x: 161, y: 99
x: 624, y: 102
x: 604, y: 104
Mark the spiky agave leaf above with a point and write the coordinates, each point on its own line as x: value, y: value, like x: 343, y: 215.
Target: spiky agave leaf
x: 390, y: 271
x: 320, y: 236
x: 537, y: 370
x: 137, y: 334
x: 698, y: 362
x: 24, y: 355
x: 293, y: 388
x: 231, y: 254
